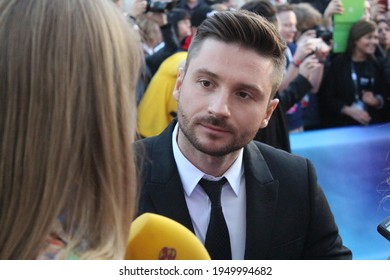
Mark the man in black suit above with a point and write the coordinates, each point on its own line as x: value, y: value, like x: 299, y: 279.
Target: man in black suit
x: 272, y: 206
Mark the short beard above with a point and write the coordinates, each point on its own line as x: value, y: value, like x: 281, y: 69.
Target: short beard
x: 193, y: 139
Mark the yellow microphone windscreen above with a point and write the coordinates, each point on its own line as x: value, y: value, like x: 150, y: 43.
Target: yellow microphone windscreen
x: 155, y: 237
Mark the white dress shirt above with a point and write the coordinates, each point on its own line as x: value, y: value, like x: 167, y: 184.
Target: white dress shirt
x: 233, y: 198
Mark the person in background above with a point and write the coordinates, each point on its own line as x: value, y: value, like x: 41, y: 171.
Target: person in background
x: 379, y: 11
x: 67, y: 176
x: 383, y: 38
x: 374, y: 10
x: 335, y: 7
x: 354, y: 89
x: 305, y: 48
x: 320, y: 5
x: 220, y: 7
x: 158, y: 107
x: 264, y: 8
x: 180, y: 19
x: 367, y: 10
x: 175, y: 26
x: 204, y: 171
x: 230, y: 4
x: 304, y: 115
x: 191, y: 5
x: 295, y: 53
x: 151, y: 35
x: 137, y: 8
x: 140, y: 16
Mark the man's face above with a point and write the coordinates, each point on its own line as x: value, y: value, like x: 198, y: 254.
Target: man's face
x: 223, y: 98
x: 287, y: 25
x: 384, y: 33
x: 183, y: 28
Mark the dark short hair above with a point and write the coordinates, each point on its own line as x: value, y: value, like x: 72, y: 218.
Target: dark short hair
x: 248, y: 30
x: 263, y: 8
x: 382, y: 20
x: 200, y: 14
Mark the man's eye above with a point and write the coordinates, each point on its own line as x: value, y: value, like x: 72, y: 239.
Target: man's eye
x: 243, y: 94
x: 205, y: 83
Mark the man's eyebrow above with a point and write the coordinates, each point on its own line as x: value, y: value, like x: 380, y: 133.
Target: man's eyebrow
x: 204, y: 71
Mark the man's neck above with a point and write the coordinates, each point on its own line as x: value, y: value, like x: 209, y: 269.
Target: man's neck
x: 211, y: 165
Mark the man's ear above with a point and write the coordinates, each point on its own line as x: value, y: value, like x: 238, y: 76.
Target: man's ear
x: 179, y: 82
x: 270, y: 109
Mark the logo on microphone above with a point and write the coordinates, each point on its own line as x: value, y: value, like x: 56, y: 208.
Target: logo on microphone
x: 167, y: 254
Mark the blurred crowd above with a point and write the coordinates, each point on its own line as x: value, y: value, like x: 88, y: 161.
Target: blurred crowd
x: 321, y: 88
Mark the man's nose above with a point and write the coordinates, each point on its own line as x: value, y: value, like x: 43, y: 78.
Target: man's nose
x: 219, y: 105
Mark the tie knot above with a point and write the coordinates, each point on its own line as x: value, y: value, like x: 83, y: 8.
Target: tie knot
x: 213, y: 190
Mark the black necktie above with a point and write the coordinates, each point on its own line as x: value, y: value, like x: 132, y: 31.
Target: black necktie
x: 217, y: 237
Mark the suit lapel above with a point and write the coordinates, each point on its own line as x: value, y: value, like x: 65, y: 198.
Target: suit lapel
x: 262, y: 192
x: 165, y: 187
x: 167, y: 195
x: 169, y: 201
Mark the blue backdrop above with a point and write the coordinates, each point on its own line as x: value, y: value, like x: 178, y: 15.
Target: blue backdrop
x: 352, y: 165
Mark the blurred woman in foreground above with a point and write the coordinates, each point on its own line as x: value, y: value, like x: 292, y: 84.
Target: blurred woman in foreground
x: 67, y: 120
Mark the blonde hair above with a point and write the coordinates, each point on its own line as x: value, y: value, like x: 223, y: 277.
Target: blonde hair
x: 67, y: 120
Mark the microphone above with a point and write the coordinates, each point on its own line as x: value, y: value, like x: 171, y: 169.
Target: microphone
x: 155, y: 237
x: 384, y: 228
